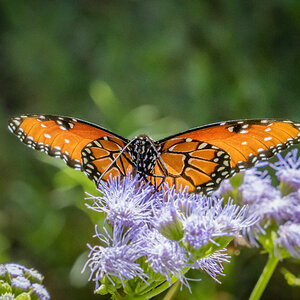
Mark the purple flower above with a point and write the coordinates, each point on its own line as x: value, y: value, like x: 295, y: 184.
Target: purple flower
x: 198, y: 219
x: 266, y: 201
x: 166, y: 257
x: 198, y: 231
x: 21, y: 282
x: 159, y: 235
x: 289, y: 238
x: 126, y: 202
x: 213, y: 264
x: 15, y: 269
x: 256, y: 187
x: 3, y: 270
x: 167, y: 218
x: 224, y: 189
x: 40, y: 291
x: 295, y: 211
x: 278, y: 208
x: 118, y: 258
x: 288, y: 169
x: 35, y: 275
x: 211, y: 220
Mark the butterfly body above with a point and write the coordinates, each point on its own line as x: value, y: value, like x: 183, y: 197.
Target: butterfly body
x: 199, y: 158
x: 144, y: 153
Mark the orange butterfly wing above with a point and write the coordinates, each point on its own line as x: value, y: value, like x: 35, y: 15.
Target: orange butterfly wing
x: 199, y: 158
x: 61, y: 137
x: 105, y: 157
x: 196, y: 157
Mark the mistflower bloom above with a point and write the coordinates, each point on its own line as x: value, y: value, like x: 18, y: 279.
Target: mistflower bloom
x: 167, y: 219
x: 3, y: 270
x: 35, y: 275
x: 166, y: 257
x: 213, y: 264
x: 279, y: 208
x: 21, y: 282
x: 269, y: 203
x: 159, y: 235
x: 40, y: 291
x: 126, y: 202
x: 257, y: 186
x: 224, y: 189
x: 198, y: 231
x: 211, y: 220
x: 295, y: 211
x: 289, y: 238
x: 118, y: 258
x: 15, y: 269
x: 288, y: 169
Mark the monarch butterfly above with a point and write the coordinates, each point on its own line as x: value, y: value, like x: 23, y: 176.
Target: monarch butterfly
x: 199, y: 158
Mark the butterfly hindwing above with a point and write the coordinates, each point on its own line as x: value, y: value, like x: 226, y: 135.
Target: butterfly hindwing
x: 105, y: 157
x: 57, y: 136
x: 193, y: 163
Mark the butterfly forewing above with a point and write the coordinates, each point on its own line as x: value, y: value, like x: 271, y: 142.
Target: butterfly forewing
x: 61, y: 137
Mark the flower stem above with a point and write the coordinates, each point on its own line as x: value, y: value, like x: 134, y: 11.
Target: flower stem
x: 264, y: 277
x: 172, y: 291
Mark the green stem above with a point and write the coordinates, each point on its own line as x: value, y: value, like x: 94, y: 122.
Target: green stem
x: 172, y: 291
x: 264, y: 277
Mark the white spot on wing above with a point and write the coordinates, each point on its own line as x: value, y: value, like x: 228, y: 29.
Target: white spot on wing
x: 202, y: 145
x: 47, y: 136
x: 67, y: 141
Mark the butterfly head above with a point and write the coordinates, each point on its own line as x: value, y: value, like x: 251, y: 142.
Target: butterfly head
x: 143, y: 153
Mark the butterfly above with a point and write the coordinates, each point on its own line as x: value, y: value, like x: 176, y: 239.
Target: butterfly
x: 200, y: 158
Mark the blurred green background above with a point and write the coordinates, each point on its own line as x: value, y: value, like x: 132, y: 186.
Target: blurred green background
x: 155, y: 67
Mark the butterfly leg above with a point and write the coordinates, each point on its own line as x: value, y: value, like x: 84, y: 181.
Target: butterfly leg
x: 158, y: 183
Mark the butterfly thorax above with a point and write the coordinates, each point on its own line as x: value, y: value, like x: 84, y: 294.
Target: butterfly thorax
x: 143, y: 153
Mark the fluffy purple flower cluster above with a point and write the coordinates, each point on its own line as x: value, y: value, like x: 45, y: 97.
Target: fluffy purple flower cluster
x: 159, y: 235
x: 276, y: 207
x: 21, y: 282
